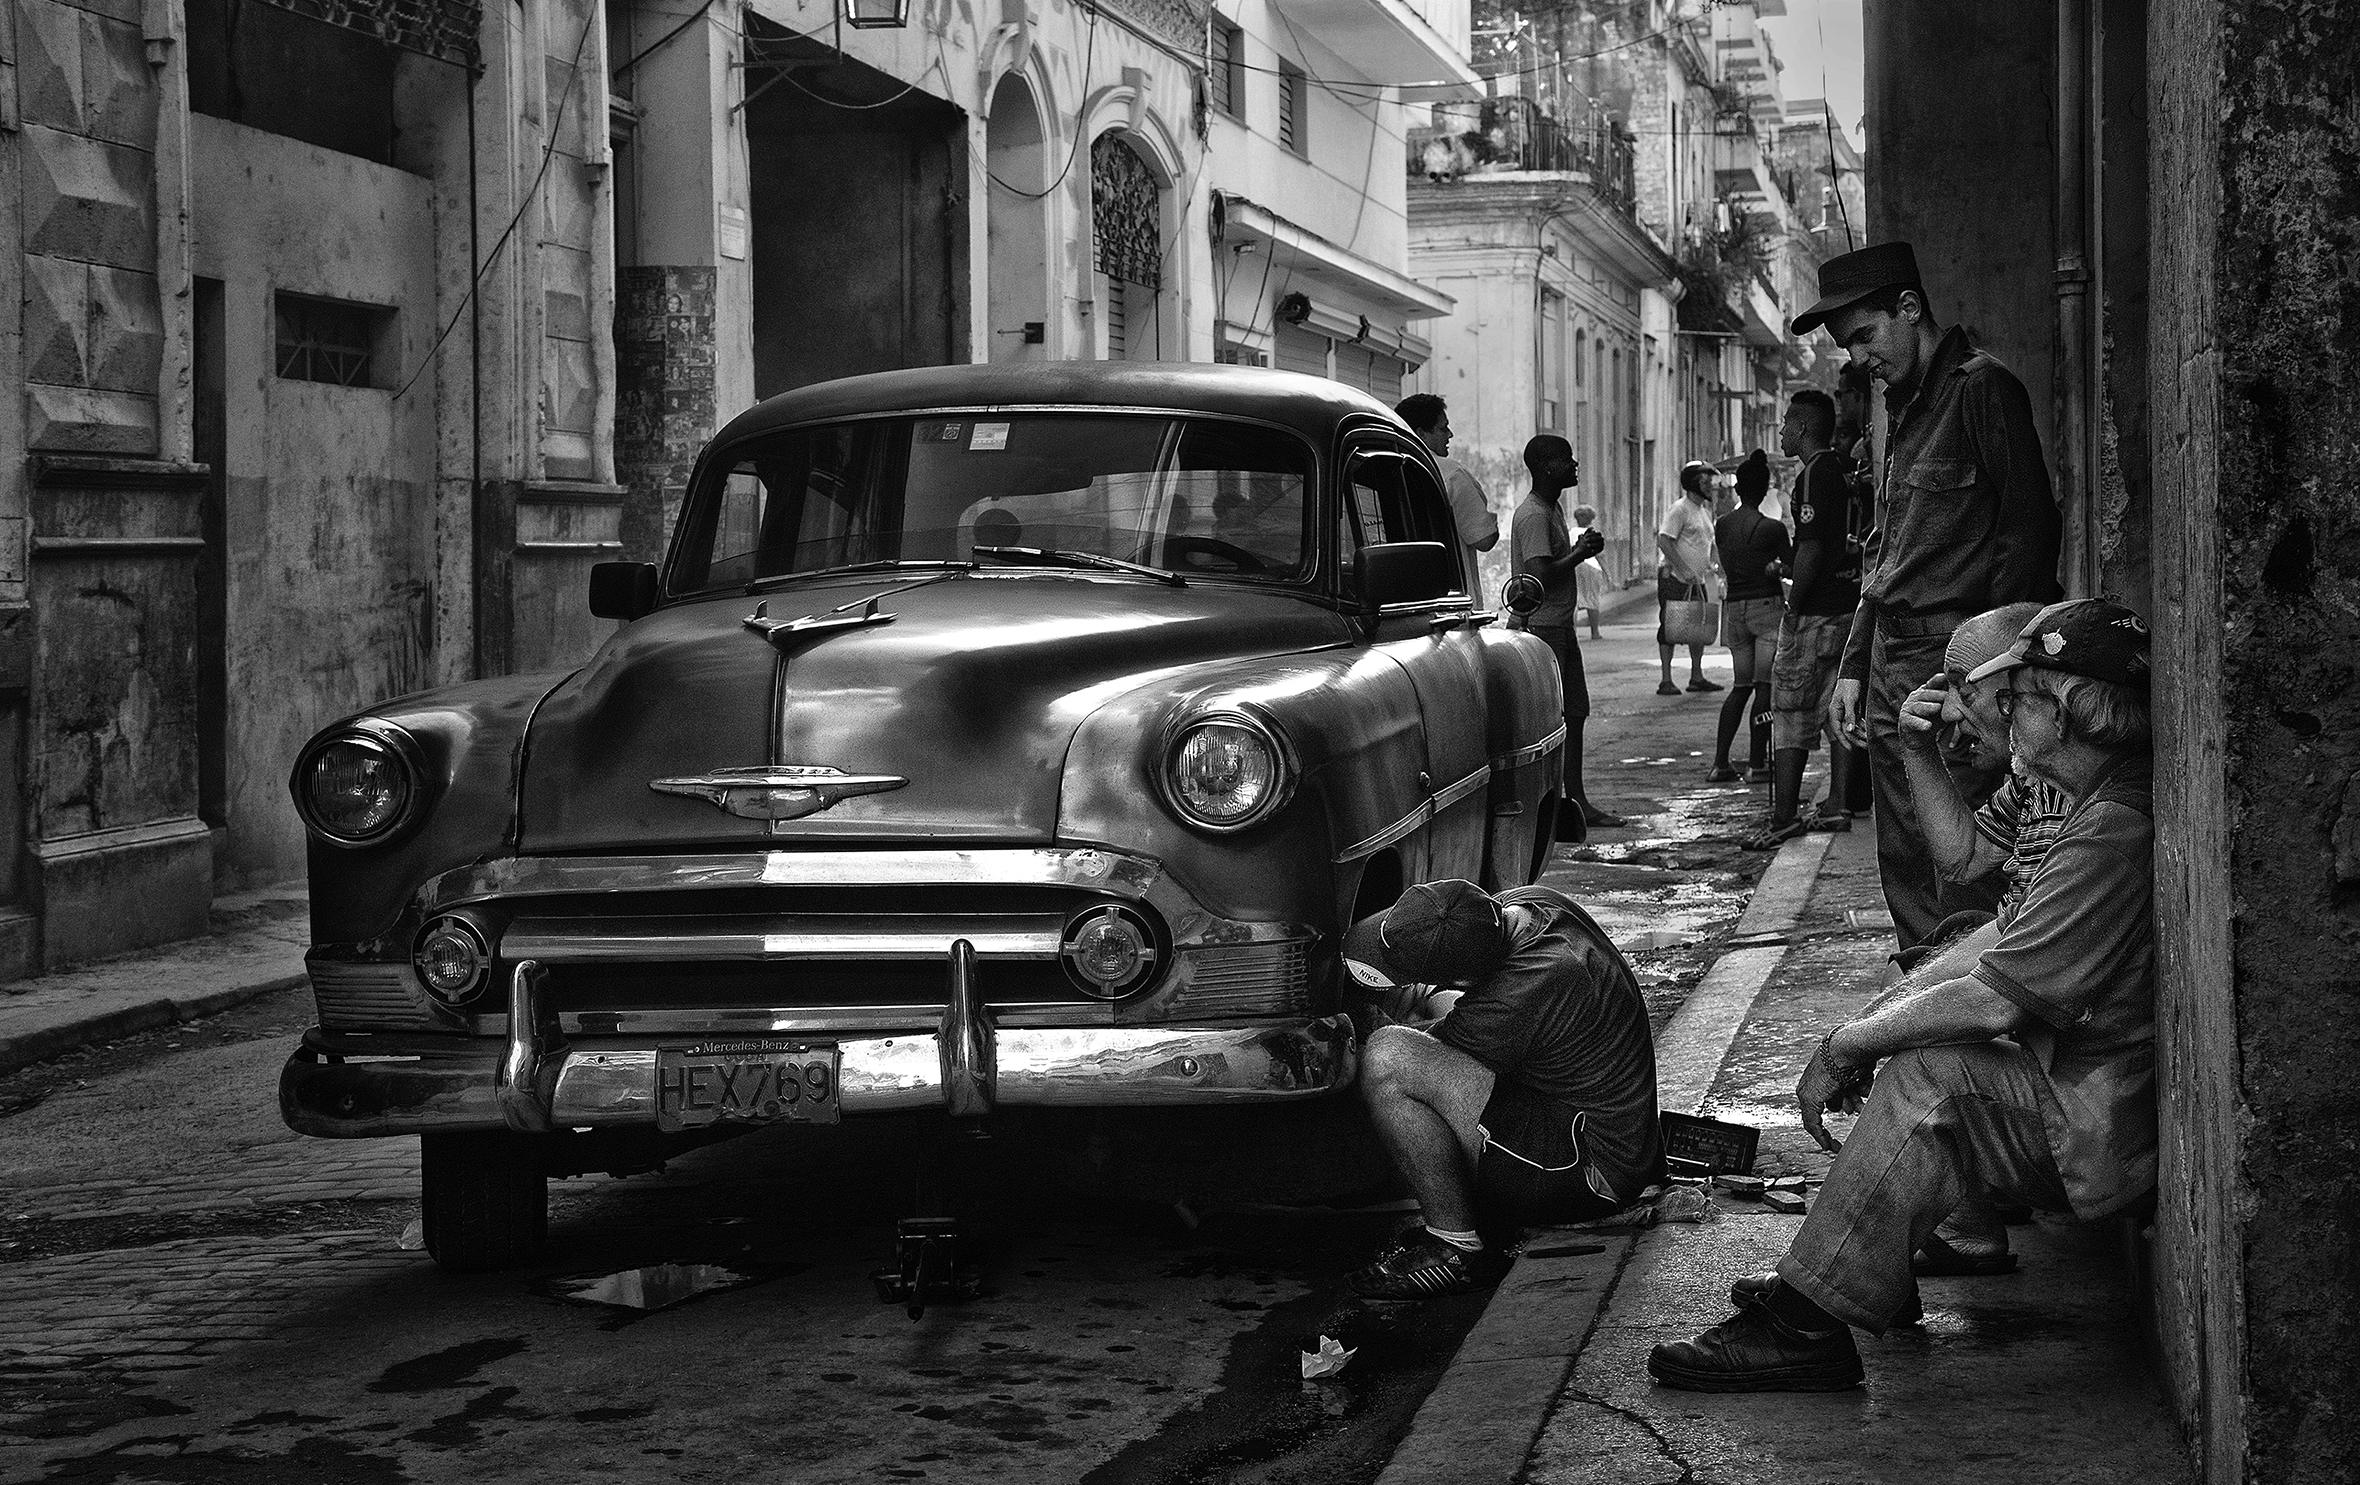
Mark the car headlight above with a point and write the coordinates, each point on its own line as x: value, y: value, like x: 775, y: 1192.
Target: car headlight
x: 358, y: 786
x: 452, y: 961
x: 1110, y: 952
x: 1225, y: 773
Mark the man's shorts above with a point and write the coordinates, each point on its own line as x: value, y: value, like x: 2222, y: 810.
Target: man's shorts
x: 1750, y: 628
x: 1669, y: 589
x: 1569, y: 667
x: 1533, y: 1167
x: 1810, y: 651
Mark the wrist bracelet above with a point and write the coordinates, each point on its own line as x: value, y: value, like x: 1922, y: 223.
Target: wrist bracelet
x: 1845, y: 1078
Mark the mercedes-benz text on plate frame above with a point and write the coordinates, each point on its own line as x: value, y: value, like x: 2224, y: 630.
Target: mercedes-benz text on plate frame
x: 746, y: 1082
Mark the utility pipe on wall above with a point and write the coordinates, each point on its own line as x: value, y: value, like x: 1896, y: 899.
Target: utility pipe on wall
x: 2078, y: 393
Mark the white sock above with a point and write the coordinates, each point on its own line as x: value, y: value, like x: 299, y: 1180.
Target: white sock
x: 1465, y: 1241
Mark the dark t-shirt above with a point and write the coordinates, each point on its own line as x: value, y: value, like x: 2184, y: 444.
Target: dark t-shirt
x: 1823, y: 502
x: 1563, y: 1019
x: 1749, y: 543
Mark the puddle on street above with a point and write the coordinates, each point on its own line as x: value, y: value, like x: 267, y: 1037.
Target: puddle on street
x: 655, y: 1287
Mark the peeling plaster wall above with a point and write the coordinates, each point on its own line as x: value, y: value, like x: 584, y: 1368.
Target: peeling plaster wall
x: 330, y: 509
x: 2289, y: 528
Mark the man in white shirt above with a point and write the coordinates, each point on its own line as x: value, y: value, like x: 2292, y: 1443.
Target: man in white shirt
x: 1479, y: 529
x: 1685, y: 540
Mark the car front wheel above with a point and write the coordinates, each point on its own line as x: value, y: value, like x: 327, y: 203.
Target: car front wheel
x: 485, y: 1200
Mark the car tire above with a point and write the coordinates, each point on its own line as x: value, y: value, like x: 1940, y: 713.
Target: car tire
x: 484, y: 1200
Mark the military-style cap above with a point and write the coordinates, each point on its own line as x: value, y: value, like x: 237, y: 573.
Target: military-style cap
x: 2081, y: 636
x: 1855, y: 276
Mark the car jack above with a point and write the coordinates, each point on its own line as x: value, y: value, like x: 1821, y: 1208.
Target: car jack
x: 929, y: 1270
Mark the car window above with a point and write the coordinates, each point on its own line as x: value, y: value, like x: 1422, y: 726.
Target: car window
x: 1196, y: 496
x: 1389, y: 497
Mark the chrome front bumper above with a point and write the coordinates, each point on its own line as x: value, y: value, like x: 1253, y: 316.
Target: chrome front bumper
x: 538, y: 1081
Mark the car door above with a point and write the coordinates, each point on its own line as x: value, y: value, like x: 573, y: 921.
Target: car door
x: 1392, y: 495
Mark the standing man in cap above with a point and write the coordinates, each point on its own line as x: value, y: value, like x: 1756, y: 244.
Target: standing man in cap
x: 1531, y: 1100
x: 1428, y: 417
x: 2059, y: 1115
x: 1685, y: 569
x: 1966, y: 521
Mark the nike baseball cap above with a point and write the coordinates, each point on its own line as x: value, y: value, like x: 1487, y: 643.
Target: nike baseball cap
x: 2081, y: 636
x: 1437, y: 933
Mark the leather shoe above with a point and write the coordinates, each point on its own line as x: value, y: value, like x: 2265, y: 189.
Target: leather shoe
x: 1754, y: 1351
x: 1753, y: 1289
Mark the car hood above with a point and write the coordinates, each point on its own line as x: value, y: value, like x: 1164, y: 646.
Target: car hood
x: 971, y: 692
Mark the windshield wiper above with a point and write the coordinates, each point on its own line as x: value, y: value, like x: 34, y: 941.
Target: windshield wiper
x: 883, y: 564
x: 1082, y: 559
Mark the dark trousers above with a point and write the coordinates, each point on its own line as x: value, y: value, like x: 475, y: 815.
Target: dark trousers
x: 1907, y: 652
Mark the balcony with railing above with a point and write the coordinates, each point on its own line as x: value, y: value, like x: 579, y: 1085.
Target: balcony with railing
x: 1502, y: 136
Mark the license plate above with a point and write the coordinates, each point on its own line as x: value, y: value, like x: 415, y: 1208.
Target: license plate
x: 746, y: 1083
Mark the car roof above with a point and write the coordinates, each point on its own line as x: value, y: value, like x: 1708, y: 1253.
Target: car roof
x: 1312, y: 405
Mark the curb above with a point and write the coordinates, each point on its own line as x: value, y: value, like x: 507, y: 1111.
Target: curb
x: 1486, y: 1411
x: 24, y: 1048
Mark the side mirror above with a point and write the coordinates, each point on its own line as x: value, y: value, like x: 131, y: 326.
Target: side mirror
x: 1405, y: 572
x: 1522, y: 594
x: 622, y: 590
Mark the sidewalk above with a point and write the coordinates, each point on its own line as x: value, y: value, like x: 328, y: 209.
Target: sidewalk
x: 2035, y: 1376
x: 256, y: 947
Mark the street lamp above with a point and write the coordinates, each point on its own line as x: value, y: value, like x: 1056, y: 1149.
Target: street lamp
x: 871, y: 15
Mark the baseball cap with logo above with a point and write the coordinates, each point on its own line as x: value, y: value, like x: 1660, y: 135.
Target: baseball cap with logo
x: 1437, y: 933
x: 2081, y: 636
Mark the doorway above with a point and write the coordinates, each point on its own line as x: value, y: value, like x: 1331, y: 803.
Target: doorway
x: 1017, y: 225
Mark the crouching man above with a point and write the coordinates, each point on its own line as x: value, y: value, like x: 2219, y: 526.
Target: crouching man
x: 2060, y: 1118
x: 1531, y: 1101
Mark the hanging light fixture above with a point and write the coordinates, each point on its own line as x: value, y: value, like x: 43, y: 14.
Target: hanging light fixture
x: 871, y: 15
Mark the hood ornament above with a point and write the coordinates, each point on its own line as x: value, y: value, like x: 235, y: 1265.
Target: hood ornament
x: 787, y: 792
x: 789, y: 635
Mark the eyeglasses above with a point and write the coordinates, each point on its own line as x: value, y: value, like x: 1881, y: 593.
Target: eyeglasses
x: 2006, y: 702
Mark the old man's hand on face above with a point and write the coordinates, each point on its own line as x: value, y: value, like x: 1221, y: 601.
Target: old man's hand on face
x: 1927, y: 710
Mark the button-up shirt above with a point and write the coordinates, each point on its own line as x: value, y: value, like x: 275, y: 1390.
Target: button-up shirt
x: 2077, y: 956
x: 1966, y: 519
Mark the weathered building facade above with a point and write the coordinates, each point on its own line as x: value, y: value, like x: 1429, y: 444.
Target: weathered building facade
x: 2144, y: 206
x: 351, y: 335
x: 1621, y: 249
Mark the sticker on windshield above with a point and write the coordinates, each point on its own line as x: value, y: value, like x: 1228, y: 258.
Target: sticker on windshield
x: 951, y: 432
x: 988, y: 436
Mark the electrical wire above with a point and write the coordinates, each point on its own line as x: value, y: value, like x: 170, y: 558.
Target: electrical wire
x: 694, y: 16
x: 573, y: 74
x: 1082, y: 95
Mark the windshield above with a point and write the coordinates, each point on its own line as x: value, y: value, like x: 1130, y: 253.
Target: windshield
x: 1193, y: 496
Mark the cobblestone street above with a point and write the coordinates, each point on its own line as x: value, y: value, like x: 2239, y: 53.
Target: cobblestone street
x: 196, y: 1293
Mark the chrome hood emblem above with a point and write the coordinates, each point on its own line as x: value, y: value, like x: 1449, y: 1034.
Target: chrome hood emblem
x: 787, y: 792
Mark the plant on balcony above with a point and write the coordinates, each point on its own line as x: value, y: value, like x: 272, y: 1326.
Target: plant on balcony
x: 1715, y: 267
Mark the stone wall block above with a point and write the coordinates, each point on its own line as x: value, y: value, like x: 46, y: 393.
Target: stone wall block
x: 126, y: 335
x: 57, y: 321
x: 49, y: 64
x: 87, y: 199
x: 79, y: 420
x: 118, y: 87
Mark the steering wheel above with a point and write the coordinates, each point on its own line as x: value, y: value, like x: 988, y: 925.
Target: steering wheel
x: 1238, y: 558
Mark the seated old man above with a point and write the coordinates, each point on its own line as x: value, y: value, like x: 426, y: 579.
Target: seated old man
x: 1531, y: 1100
x: 2060, y: 1117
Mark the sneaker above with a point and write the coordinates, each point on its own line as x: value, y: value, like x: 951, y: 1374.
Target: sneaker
x: 1754, y: 1351
x: 1701, y: 684
x: 1667, y: 689
x: 1757, y: 775
x: 1722, y: 774
x: 1837, y: 822
x: 1598, y: 819
x: 1426, y: 1267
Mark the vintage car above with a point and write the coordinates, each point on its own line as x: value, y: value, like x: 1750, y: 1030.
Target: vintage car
x: 989, y: 737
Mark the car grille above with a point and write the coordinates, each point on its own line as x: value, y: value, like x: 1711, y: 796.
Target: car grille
x: 366, y: 997
x: 1248, y: 979
x: 800, y: 984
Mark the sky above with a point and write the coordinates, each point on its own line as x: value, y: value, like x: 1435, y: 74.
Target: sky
x: 1821, y: 35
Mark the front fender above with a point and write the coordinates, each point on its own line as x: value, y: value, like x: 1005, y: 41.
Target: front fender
x: 1350, y: 718
x: 471, y: 737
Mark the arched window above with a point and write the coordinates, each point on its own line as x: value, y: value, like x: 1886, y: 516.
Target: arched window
x: 1126, y: 220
